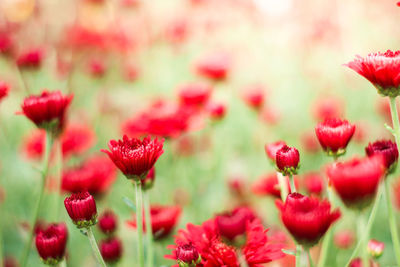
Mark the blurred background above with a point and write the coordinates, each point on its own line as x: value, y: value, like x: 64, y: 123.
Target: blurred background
x: 275, y: 68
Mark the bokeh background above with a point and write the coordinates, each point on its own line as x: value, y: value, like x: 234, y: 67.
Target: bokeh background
x: 119, y: 56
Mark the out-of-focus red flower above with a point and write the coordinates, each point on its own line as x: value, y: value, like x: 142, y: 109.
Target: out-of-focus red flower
x: 161, y: 119
x: 10, y: 262
x: 51, y: 243
x: 111, y: 249
x: 163, y: 220
x: 75, y: 140
x: 268, y: 185
x: 287, y: 160
x: 47, y: 110
x: 383, y: 108
x: 6, y: 43
x: 375, y: 248
x: 232, y: 225
x: 236, y: 184
x: 270, y: 115
x: 108, y: 222
x: 97, y: 68
x: 216, y: 110
x: 314, y: 183
x: 257, y: 250
x: 254, y: 96
x: 357, y: 262
x: 81, y: 208
x: 398, y: 3
x: 328, y: 108
x: 30, y: 59
x: 272, y: 148
x: 130, y: 3
x: 356, y: 181
x: 4, y: 89
x: 95, y: 175
x: 344, y: 239
x: 381, y: 69
x: 387, y: 149
x: 176, y: 31
x: 309, y: 142
x: 306, y: 218
x: 215, y: 66
x: 334, y: 135
x: 362, y: 131
x: 135, y: 157
x: 148, y: 182
x: 131, y: 72
x: 194, y: 94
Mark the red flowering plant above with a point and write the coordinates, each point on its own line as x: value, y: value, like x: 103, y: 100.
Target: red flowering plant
x: 204, y: 240
x: 51, y: 243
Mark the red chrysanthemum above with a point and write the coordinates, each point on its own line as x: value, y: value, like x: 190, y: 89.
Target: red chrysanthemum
x: 30, y: 59
x: 4, y: 89
x: 334, y: 135
x: 381, y: 69
x: 194, y: 94
x: 356, y: 181
x: 232, y: 225
x: 51, y: 243
x: 163, y: 220
x: 81, y: 208
x: 254, y: 96
x: 306, y: 218
x: 387, y: 149
x: 108, y: 222
x: 344, y: 239
x: 313, y: 183
x: 214, y: 67
x: 216, y: 110
x: 47, y: 110
x: 287, y: 160
x: 111, y: 249
x: 328, y: 108
x: 135, y: 157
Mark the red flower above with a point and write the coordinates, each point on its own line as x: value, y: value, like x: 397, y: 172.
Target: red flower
x: 97, y: 68
x: 216, y: 110
x: 375, y: 248
x: 344, y: 239
x: 161, y: 119
x: 381, y: 69
x: 95, y: 175
x: 108, y: 222
x: 135, y: 157
x: 272, y: 148
x: 30, y: 59
x: 188, y: 254
x: 163, y: 220
x: 233, y: 224
x: 4, y: 89
x: 176, y: 31
x: 287, y: 160
x: 51, y: 243
x: 214, y: 253
x: 387, y: 149
x: 306, y: 218
x: 314, y: 183
x: 268, y: 185
x: 328, y: 108
x: 309, y: 142
x: 81, y: 208
x: 214, y: 67
x: 6, y: 42
x: 334, y: 135
x: 194, y: 94
x: 356, y: 181
x: 111, y: 249
x: 47, y: 110
x: 148, y: 182
x: 254, y: 96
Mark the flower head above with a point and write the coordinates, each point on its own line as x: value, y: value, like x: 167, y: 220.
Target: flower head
x: 306, y: 218
x: 287, y: 160
x: 187, y: 254
x: 314, y: 183
x: 4, y: 89
x: 30, y: 59
x: 387, y: 149
x: 216, y: 111
x: 47, y: 110
x: 215, y: 66
x: 81, y: 208
x: 381, y: 69
x: 356, y: 181
x: 375, y: 248
x: 254, y: 96
x: 344, y: 239
x: 334, y: 135
x: 51, y: 243
x: 108, y: 222
x: 135, y: 157
x: 194, y: 94
x: 111, y: 249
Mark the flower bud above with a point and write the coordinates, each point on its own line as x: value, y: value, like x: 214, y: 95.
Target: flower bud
x: 375, y: 248
x: 287, y: 160
x: 388, y: 150
x: 111, y: 250
x: 108, y: 222
x: 81, y: 207
x: 187, y: 255
x: 51, y: 243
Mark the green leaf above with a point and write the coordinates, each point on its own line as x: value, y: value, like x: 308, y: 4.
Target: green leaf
x: 289, y: 252
x: 129, y: 203
x: 390, y: 129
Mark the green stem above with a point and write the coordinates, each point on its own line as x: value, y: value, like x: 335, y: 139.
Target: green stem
x: 298, y: 256
x: 139, y: 222
x: 1, y: 240
x: 371, y: 220
x: 95, y: 248
x: 363, y: 235
x: 292, y: 185
x: 58, y: 180
x: 283, y: 185
x: 63, y: 263
x: 149, y: 232
x: 392, y: 222
x: 395, y: 120
x: 328, y: 237
x: 310, y: 261
x: 46, y: 161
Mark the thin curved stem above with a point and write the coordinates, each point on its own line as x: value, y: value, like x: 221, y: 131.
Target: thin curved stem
x: 58, y: 178
x: 283, y: 185
x: 370, y: 222
x: 149, y: 232
x: 95, y: 248
x: 292, y: 184
x: 46, y: 161
x: 139, y: 222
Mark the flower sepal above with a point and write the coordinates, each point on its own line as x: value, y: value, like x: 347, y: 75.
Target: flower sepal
x: 51, y: 261
x: 86, y: 223
x: 189, y: 264
x: 388, y: 91
x: 289, y: 171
